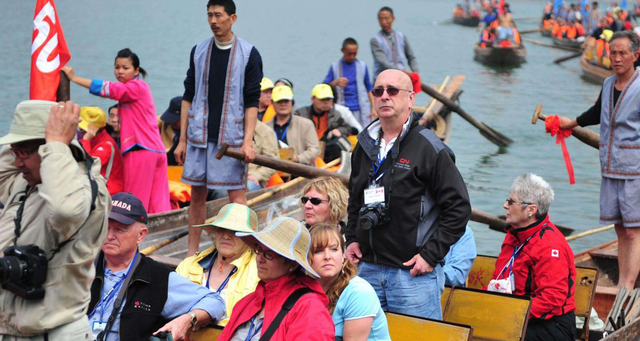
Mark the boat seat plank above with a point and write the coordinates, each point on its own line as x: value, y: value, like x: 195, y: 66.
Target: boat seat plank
x: 607, y: 254
x: 445, y: 297
x: 411, y: 328
x: 481, y: 271
x: 493, y: 316
x: 586, y: 280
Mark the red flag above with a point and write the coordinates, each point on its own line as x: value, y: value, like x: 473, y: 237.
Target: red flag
x: 501, y: 7
x: 49, y: 52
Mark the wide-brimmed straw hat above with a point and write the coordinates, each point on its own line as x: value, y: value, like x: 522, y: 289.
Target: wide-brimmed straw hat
x: 233, y: 217
x: 29, y: 121
x: 288, y: 238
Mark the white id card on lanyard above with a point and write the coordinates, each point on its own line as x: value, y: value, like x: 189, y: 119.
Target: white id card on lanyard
x: 373, y: 194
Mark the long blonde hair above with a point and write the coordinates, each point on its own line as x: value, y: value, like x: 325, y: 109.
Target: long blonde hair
x: 321, y: 236
x: 335, y: 191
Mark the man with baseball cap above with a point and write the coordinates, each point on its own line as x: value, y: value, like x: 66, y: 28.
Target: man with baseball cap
x: 56, y: 207
x: 293, y: 131
x: 266, y: 87
x: 169, y: 126
x: 155, y: 298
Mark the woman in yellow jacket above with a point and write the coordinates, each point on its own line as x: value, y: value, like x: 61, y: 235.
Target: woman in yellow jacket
x: 229, y: 267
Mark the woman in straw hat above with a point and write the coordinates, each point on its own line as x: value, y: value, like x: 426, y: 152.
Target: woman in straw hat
x: 354, y: 305
x: 228, y: 267
x: 282, y: 249
x: 324, y: 200
x: 99, y: 144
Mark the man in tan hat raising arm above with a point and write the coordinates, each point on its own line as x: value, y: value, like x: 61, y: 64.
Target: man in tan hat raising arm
x: 54, y: 221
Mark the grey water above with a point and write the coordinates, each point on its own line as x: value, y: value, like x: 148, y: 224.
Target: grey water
x: 299, y: 39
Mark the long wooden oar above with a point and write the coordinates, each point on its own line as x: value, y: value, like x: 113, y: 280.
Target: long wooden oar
x: 566, y: 48
x: 498, y: 224
x: 281, y: 165
x: 530, y: 31
x: 565, y: 58
x: 590, y: 232
x: 426, y: 117
x: 446, y: 21
x: 262, y: 197
x: 585, y: 135
x: 491, y: 134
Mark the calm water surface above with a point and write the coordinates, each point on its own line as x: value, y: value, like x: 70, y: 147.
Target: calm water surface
x: 299, y: 39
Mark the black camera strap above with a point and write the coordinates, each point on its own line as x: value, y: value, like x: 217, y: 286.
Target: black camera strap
x: 88, y: 160
x: 286, y: 307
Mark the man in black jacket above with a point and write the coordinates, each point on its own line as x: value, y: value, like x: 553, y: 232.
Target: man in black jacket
x: 407, y: 204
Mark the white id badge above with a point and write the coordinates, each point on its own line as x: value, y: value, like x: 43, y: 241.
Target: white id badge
x: 500, y: 285
x: 373, y: 195
x: 512, y: 282
x: 98, y: 326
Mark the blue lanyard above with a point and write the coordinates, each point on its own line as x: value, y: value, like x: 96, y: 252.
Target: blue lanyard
x: 105, y: 299
x: 516, y: 252
x: 252, y: 332
x: 376, y: 168
x: 225, y: 280
x: 284, y: 133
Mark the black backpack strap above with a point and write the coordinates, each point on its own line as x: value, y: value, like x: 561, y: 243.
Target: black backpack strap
x: 286, y: 307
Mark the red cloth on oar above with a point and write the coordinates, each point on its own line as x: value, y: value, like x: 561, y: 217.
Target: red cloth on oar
x: 552, y: 126
x: 415, y: 81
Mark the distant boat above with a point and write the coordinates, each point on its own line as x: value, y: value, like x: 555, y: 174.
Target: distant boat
x: 471, y: 21
x: 594, y: 72
x: 545, y: 32
x: 567, y: 42
x: 499, y: 55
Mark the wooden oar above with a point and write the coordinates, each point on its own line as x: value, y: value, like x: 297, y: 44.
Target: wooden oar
x: 585, y: 135
x: 498, y: 224
x: 446, y: 21
x: 530, y: 31
x: 590, y: 232
x: 566, y: 48
x: 281, y: 165
x: 149, y: 250
x: 426, y: 117
x: 565, y: 58
x: 486, y: 131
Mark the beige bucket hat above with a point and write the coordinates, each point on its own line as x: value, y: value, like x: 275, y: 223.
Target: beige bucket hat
x: 288, y: 238
x: 29, y: 121
x: 234, y: 217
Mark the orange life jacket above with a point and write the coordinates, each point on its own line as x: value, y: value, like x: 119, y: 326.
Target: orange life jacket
x: 516, y: 36
x: 602, y: 48
x: 556, y: 31
x: 580, y: 29
x: 572, y: 32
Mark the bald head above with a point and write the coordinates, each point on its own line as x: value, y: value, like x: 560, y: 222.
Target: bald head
x: 398, y: 76
x: 394, y: 108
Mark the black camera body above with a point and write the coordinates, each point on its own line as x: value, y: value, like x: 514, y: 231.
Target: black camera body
x: 23, y: 271
x: 372, y: 215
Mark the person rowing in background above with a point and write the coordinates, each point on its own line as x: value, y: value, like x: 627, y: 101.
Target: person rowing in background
x: 145, y: 161
x: 536, y: 261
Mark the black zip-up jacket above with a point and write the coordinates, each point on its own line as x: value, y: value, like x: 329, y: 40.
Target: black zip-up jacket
x: 429, y: 204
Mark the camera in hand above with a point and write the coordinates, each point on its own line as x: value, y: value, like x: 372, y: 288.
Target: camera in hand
x: 23, y: 270
x: 372, y: 215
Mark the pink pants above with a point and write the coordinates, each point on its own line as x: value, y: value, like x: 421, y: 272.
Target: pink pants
x: 145, y: 176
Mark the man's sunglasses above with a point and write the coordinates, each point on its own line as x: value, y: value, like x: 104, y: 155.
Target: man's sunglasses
x: 392, y: 91
x: 314, y: 201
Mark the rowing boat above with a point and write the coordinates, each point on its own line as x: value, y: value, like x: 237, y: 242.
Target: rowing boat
x: 567, y: 42
x: 594, y: 72
x: 545, y: 33
x: 498, y: 55
x: 471, y: 21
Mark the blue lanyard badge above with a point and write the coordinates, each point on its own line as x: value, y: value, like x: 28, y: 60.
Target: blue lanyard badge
x: 284, y: 133
x: 252, y: 332
x: 226, y: 280
x: 106, y: 299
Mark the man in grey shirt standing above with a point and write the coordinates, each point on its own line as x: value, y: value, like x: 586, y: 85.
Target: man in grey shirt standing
x: 390, y: 48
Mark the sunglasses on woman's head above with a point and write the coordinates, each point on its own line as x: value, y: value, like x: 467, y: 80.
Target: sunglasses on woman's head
x: 392, y: 91
x: 314, y: 201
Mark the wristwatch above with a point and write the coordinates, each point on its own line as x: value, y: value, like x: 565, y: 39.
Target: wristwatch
x: 194, y: 320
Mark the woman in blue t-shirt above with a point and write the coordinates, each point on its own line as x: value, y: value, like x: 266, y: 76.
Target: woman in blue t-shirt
x: 353, y: 303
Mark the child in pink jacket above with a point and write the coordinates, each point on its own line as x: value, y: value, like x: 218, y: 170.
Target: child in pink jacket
x: 145, y: 160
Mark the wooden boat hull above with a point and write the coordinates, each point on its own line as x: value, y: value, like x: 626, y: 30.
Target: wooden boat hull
x: 566, y: 42
x: 545, y: 33
x: 506, y: 56
x: 594, y: 72
x: 467, y: 21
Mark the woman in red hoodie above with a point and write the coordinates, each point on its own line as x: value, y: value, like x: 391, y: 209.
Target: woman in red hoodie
x: 282, y: 250
x: 99, y: 144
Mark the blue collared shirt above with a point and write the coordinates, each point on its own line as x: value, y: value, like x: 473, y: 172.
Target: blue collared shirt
x: 458, y: 262
x: 183, y: 296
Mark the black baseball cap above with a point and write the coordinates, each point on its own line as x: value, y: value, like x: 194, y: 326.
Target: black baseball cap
x: 127, y: 209
x: 172, y: 114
